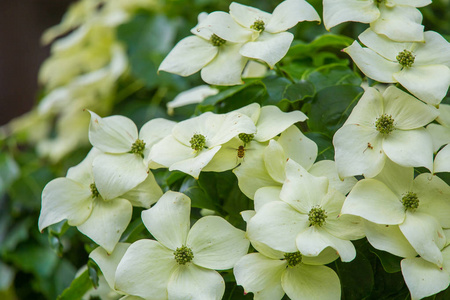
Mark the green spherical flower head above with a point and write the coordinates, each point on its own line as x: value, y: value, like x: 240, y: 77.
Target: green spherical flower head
x: 183, y: 255
x: 317, y: 216
x: 258, y: 25
x: 217, y: 41
x: 198, y: 142
x: 94, y: 190
x: 410, y: 201
x: 293, y: 259
x: 138, y: 147
x: 385, y: 124
x: 405, y: 58
x: 246, y: 138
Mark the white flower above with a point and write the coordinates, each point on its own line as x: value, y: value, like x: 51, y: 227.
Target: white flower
x: 422, y: 68
x: 384, y: 125
x: 194, y: 142
x: 181, y: 264
x: 399, y: 20
x: 419, y: 207
x: 440, y: 132
x: 192, y: 96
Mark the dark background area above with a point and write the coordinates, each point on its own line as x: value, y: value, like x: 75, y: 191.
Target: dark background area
x: 22, y: 23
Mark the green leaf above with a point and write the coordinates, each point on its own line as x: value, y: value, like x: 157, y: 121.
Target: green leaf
x: 299, y: 91
x: 390, y: 262
x: 6, y: 276
x: 324, y: 144
x: 78, y: 288
x: 333, y: 74
x: 276, y: 88
x: 323, y: 41
x: 9, y: 171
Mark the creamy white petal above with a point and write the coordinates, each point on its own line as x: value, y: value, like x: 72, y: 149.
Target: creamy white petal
x: 439, y: 134
x: 63, y: 198
x: 114, y: 134
x: 145, y: 270
x: 434, y: 51
x: 224, y: 26
x: 272, y: 121
x: 107, y: 222
x: 153, y: 131
x: 260, y: 275
x: 277, y: 225
x: 298, y: 147
x: 410, y: 148
x: 194, y: 165
x: 216, y: 244
x: 358, y: 151
x: 397, y: 178
x: 423, y: 278
x: 275, y: 161
x: 374, y: 201
x: 288, y: 13
x: 346, y: 227
x: 415, y: 3
x: 311, y: 282
x: 145, y: 193
x: 338, y: 11
x: 168, y: 220
x: 227, y: 157
x: 325, y: 257
x: 169, y: 151
x: 191, y: 96
x: 314, y: 240
x: 425, y: 235
x: 428, y: 83
x: 384, y: 46
x: 247, y: 15
x: 327, y: 168
x: 195, y: 283
x: 442, y: 160
x: 388, y: 238
x: 82, y: 173
x: 189, y: 56
x: 269, y: 47
x: 266, y: 195
x: 368, y: 109
x: 232, y: 125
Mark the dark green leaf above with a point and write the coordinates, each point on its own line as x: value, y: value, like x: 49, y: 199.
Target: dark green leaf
x: 78, y: 288
x: 390, y: 262
x: 299, y: 91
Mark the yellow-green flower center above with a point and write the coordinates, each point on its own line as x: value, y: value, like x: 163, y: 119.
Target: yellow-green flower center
x: 317, y: 216
x: 94, y: 190
x: 217, y: 40
x: 405, y: 58
x: 246, y: 138
x: 258, y: 25
x: 138, y: 147
x: 293, y: 259
x: 183, y: 255
x: 385, y: 124
x: 198, y: 142
x: 410, y: 200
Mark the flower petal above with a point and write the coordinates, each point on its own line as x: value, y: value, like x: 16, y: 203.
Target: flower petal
x: 145, y: 193
x: 288, y: 13
x: 191, y: 96
x: 442, y: 160
x: 223, y: 25
x: 327, y: 168
x: 216, y: 244
x: 275, y: 161
x: 397, y: 178
x: 194, y: 165
x: 298, y: 147
x: 384, y: 46
x: 107, y: 222
x: 169, y: 151
x: 247, y: 15
x: 266, y: 195
x: 153, y: 131
x: 272, y: 121
x: 338, y: 11
x: 196, y: 283
x: 434, y: 51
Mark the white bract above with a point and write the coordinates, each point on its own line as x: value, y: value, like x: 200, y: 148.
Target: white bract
x: 75, y: 198
x: 422, y: 68
x: 419, y: 207
x: 181, y: 264
x: 194, y: 142
x: 399, y: 20
x: 192, y: 96
x: 441, y: 132
x: 380, y: 126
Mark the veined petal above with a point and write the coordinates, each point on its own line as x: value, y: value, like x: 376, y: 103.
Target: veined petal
x: 188, y: 56
x: 82, y: 173
x: 275, y: 161
x: 272, y: 121
x: 226, y: 68
x: 266, y: 195
x: 298, y: 147
x: 346, y: 227
x: 114, y: 134
x: 388, y: 238
x: 301, y: 189
x: 368, y: 109
x: 358, y: 151
x: 107, y: 222
x: 277, y: 225
x: 288, y: 13
x: 372, y: 64
x: 227, y: 157
x: 415, y: 3
x: 191, y: 96
x: 145, y: 270
x: 196, y: 283
x: 252, y: 111
x: 153, y: 131
x: 168, y: 220
x: 233, y: 124
x: 327, y: 168
x: 169, y: 151
x: 384, y: 46
x: 325, y: 257
x: 399, y: 23
x: 338, y: 11
x: 63, y: 198
x: 435, y: 50
x: 423, y: 278
x: 374, y: 201
x: 223, y: 25
x: 194, y: 165
x: 410, y: 148
x: 439, y: 134
x: 145, y: 193
x: 314, y: 240
x: 428, y: 83
x: 247, y: 15
x: 216, y: 244
x: 311, y: 282
x: 397, y: 178
x: 442, y: 160
x: 269, y: 47
x: 425, y: 235
x: 260, y: 275
x: 108, y: 262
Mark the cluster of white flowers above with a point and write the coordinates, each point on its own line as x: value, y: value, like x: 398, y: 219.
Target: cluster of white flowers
x: 302, y: 218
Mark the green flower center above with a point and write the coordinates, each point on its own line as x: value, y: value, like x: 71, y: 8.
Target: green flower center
x: 410, y: 200
x: 217, y: 40
x: 293, y: 259
x: 183, y: 255
x: 258, y: 25
x: 405, y: 58
x: 246, y: 138
x: 94, y: 190
x: 138, y: 147
x: 385, y: 124
x: 198, y: 142
x: 317, y: 216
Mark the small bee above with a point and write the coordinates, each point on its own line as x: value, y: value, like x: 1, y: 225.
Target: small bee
x: 240, y: 152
